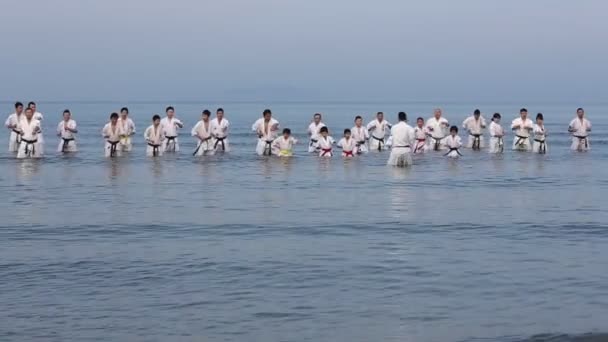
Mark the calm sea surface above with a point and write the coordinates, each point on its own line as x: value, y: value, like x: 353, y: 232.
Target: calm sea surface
x: 242, y: 248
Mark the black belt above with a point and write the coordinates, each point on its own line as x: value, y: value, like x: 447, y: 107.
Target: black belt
x: 169, y: 140
x: 313, y: 142
x: 452, y: 149
x: 581, y: 139
x: 406, y: 146
x: 437, y: 142
x: 520, y: 139
x: 199, y: 145
x: 113, y: 145
x: 381, y: 140
x: 155, y: 149
x: 220, y: 140
x: 268, y: 148
x: 18, y: 138
x: 501, y: 144
x: 66, y: 142
x: 543, y: 147
x: 476, y: 141
x: 28, y: 143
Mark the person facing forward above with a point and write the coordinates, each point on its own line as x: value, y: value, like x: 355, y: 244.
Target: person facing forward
x: 313, y: 131
x: 348, y: 144
x: 522, y: 127
x: 475, y: 125
x: 66, y: 131
x: 496, y: 135
x: 580, y: 128
x: 266, y: 128
x: 378, y: 130
x: 360, y: 134
x: 540, y: 135
x: 404, y: 138
x: 202, y: 131
x: 219, y: 130
x: 112, y: 133
x: 436, y: 130
x: 325, y: 143
x: 171, y: 126
x: 453, y: 143
x: 420, y: 134
x: 127, y: 126
x: 38, y: 116
x: 12, y: 123
x: 283, y: 145
x: 30, y: 147
x: 154, y: 138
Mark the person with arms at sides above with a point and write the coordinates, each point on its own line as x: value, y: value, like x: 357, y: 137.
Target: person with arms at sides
x: 580, y: 128
x: 66, y: 131
x: 267, y: 129
x: 30, y: 146
x: 540, y: 135
x: 522, y: 127
x: 348, y: 144
x: 205, y: 145
x: 326, y: 143
x: 283, y: 145
x: 453, y: 143
x: 360, y: 134
x: 404, y: 138
x: 475, y: 125
x: 420, y: 133
x: 38, y: 116
x: 436, y: 130
x: 154, y: 138
x: 112, y: 132
x: 497, y: 135
x: 12, y: 123
x: 219, y: 130
x: 171, y: 126
x: 127, y: 126
x: 378, y: 130
x: 313, y: 132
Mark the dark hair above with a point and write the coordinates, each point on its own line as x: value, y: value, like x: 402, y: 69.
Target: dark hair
x: 540, y: 116
x: 156, y: 117
x: 523, y: 110
x: 114, y: 116
x: 206, y: 112
x: 578, y: 109
x: 18, y: 104
x: 477, y: 112
x: 28, y: 108
x: 124, y: 109
x: 286, y: 131
x: 317, y: 114
x: 420, y: 118
x: 402, y: 116
x: 323, y: 130
x: 454, y: 129
x: 496, y: 116
x: 219, y: 110
x: 358, y: 117
x: 267, y: 111
x: 169, y: 108
x: 347, y: 131
x: 379, y: 113
x: 31, y: 103
x: 67, y: 111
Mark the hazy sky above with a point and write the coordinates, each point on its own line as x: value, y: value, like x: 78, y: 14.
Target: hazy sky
x: 304, y: 50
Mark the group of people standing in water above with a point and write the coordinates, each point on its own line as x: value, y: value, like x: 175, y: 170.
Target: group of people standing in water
x: 211, y: 134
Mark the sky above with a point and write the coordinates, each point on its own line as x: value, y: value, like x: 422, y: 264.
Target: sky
x: 304, y: 50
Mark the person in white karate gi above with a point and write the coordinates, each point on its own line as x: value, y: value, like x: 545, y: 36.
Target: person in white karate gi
x: 436, y: 128
x: 325, y: 144
x: 361, y: 135
x: 66, y: 131
x: 403, y: 138
x: 313, y: 132
x: 283, y: 145
x: 267, y: 129
x: 348, y: 144
x: 378, y: 129
x: 475, y: 125
x: 522, y: 127
x: 127, y: 126
x: 205, y: 143
x: 12, y: 123
x: 540, y: 135
x: 580, y: 128
x: 30, y: 146
x: 219, y: 130
x: 154, y: 136
x: 171, y: 126
x: 38, y: 116
x: 112, y: 133
x: 420, y: 134
x: 497, y: 135
x: 453, y: 143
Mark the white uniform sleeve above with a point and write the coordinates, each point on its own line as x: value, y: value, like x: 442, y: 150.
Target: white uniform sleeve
x: 465, y: 123
x: 588, y: 124
x: 194, y: 130
x: 59, y: 128
x: 483, y: 123
x: 104, y: 131
x: 8, y: 121
x: 147, y: 133
x: 255, y: 126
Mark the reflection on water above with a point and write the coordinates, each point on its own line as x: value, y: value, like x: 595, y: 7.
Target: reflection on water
x: 28, y: 168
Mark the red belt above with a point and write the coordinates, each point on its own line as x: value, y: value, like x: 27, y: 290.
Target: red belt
x: 325, y: 151
x: 421, y: 140
x: 348, y: 153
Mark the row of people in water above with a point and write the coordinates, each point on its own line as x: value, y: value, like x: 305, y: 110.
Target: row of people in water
x: 26, y: 137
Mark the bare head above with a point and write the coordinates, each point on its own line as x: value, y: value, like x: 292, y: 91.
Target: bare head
x: 380, y: 116
x: 156, y: 120
x: 316, y: 118
x: 358, y: 121
x: 219, y: 113
x: 32, y: 105
x: 420, y: 122
x: 29, y: 113
x: 477, y: 114
x: 67, y: 115
x: 206, y: 114
x: 523, y: 113
x: 437, y: 113
x: 580, y: 112
x: 267, y: 115
x: 124, y: 112
x: 19, y: 107
x: 170, y: 112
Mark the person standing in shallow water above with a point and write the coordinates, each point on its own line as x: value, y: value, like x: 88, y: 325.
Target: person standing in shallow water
x: 127, y: 126
x: 205, y: 145
x: 475, y: 125
x: 378, y: 130
x: 313, y: 132
x: 171, y: 126
x: 404, y: 138
x: 580, y: 128
x: 522, y: 127
x: 30, y: 146
x: 497, y: 135
x: 360, y: 134
x: 66, y: 131
x: 12, y: 123
x: 436, y: 129
x: 112, y: 132
x: 267, y: 129
x: 540, y: 135
x: 219, y: 131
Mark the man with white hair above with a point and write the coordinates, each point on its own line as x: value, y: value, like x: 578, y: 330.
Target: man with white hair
x: 437, y: 128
